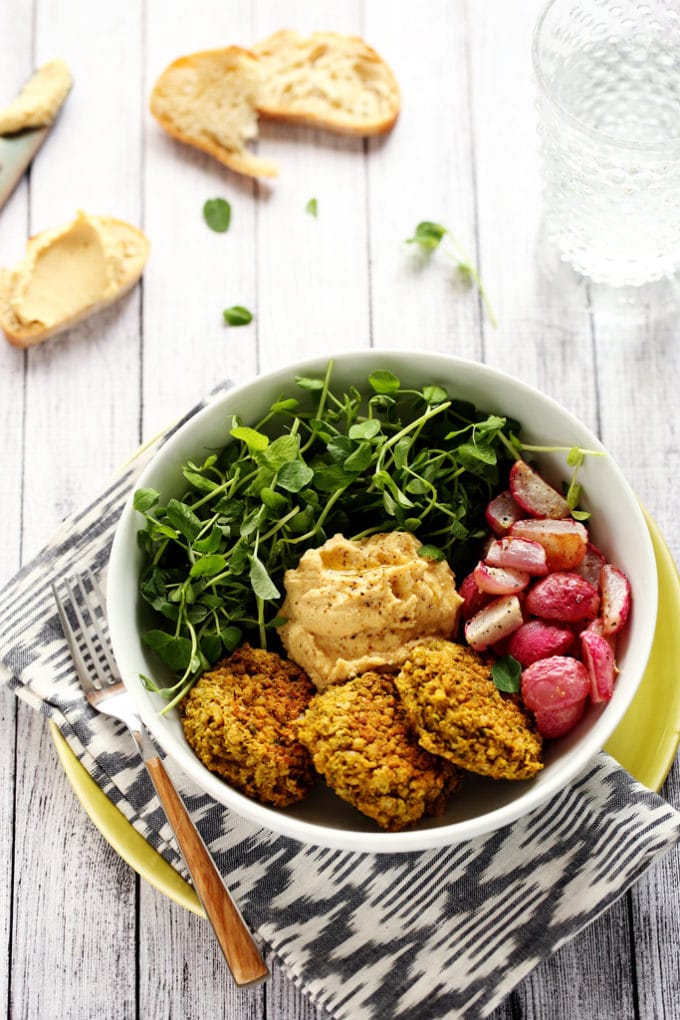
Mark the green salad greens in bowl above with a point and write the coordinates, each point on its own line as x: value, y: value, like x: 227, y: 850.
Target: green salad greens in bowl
x: 382, y: 601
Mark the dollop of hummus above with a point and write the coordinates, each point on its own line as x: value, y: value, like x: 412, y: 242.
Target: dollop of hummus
x: 67, y: 269
x: 40, y: 99
x: 352, y: 606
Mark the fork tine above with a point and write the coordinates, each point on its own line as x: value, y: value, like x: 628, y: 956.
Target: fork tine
x: 74, y: 647
x: 100, y: 622
x: 92, y: 642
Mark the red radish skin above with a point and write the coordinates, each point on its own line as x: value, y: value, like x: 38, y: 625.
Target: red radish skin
x: 534, y: 495
x: 616, y: 598
x: 598, y: 658
x: 518, y: 554
x: 538, y: 640
x: 473, y: 598
x: 555, y: 722
x: 502, y: 512
x: 499, y: 580
x: 563, y: 596
x: 564, y: 541
x: 494, y: 622
x: 554, y: 682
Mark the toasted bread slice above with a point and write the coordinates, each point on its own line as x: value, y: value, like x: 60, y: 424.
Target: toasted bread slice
x: 67, y: 274
x: 327, y: 80
x: 208, y: 100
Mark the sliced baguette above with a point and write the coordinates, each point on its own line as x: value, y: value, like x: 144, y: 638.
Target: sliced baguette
x: 208, y: 100
x: 83, y: 279
x: 327, y: 80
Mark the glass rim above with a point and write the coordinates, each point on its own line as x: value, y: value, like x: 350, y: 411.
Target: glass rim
x: 663, y: 149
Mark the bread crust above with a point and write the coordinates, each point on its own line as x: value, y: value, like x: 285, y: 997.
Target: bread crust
x: 349, y: 88
x: 177, y: 94
x: 136, y: 247
x: 211, y: 99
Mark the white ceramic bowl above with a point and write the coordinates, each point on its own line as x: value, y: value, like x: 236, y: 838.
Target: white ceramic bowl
x: 617, y: 526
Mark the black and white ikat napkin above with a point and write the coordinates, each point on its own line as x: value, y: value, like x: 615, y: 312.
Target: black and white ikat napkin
x: 445, y: 933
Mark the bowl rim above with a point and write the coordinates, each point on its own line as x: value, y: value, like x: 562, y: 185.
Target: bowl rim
x: 575, y: 760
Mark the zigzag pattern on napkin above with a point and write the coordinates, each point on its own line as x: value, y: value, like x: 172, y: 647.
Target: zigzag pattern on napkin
x: 444, y: 933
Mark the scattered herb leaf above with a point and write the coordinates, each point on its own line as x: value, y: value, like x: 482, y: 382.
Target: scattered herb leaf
x: 429, y: 235
x: 506, y: 673
x: 312, y: 207
x: 217, y: 214
x: 237, y: 315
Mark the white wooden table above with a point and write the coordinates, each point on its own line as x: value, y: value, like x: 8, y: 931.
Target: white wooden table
x: 82, y: 936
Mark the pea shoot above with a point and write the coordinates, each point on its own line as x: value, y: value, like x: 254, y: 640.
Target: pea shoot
x: 429, y: 236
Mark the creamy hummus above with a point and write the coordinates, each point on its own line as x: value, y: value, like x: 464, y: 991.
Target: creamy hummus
x: 40, y: 99
x: 354, y: 606
x: 68, y: 269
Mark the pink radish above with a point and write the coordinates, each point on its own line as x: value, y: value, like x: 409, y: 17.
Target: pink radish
x: 519, y: 554
x: 563, y: 596
x: 494, y: 622
x: 538, y: 640
x: 616, y: 598
x: 473, y: 598
x: 599, y: 661
x: 555, y: 722
x: 564, y: 541
x: 534, y: 494
x: 554, y: 682
x: 502, y: 512
x: 500, y: 580
x: 591, y: 565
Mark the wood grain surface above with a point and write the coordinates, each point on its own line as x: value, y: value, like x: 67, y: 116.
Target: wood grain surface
x: 82, y: 937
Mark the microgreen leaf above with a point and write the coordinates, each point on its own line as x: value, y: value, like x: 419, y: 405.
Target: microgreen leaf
x: 254, y: 440
x: 144, y: 499
x: 263, y: 586
x: 428, y: 235
x: 506, y: 673
x: 432, y: 552
x: 383, y: 381
x: 217, y: 214
x: 312, y: 207
x: 208, y: 566
x: 237, y: 315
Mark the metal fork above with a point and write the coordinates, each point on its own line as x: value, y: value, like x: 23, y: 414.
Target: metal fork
x: 88, y: 641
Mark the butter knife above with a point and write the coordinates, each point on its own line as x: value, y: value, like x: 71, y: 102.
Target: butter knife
x: 16, y: 152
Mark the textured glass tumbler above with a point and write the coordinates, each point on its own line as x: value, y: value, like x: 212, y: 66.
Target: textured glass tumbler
x: 608, y: 95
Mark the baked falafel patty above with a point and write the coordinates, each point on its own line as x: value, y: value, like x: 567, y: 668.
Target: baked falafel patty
x: 363, y: 744
x: 239, y: 717
x: 458, y: 712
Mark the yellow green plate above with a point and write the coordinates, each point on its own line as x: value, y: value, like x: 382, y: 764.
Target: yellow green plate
x: 645, y: 742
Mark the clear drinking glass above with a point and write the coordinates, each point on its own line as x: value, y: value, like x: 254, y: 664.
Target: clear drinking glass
x: 608, y: 85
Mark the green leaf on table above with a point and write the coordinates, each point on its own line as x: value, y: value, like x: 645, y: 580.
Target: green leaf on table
x: 427, y: 235
x: 312, y: 207
x: 237, y: 315
x: 217, y: 214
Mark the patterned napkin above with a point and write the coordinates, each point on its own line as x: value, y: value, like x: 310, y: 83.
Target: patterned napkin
x: 443, y: 933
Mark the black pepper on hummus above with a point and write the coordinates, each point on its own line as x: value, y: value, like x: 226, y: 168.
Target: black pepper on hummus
x: 352, y: 606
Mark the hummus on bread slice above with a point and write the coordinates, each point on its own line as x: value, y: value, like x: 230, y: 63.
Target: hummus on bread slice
x: 67, y: 274
x: 208, y: 100
x: 327, y: 80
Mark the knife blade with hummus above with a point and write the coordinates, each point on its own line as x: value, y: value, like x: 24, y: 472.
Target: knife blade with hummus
x: 67, y: 274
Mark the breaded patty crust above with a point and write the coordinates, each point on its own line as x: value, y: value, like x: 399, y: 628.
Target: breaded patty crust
x: 363, y: 744
x: 239, y: 719
x: 459, y: 713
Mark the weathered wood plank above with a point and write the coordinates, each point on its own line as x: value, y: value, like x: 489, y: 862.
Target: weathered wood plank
x: 73, y: 945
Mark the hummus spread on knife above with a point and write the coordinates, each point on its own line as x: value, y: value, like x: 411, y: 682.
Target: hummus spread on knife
x: 39, y: 101
x: 352, y: 606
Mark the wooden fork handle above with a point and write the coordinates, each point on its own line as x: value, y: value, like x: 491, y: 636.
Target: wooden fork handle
x: 240, y: 951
